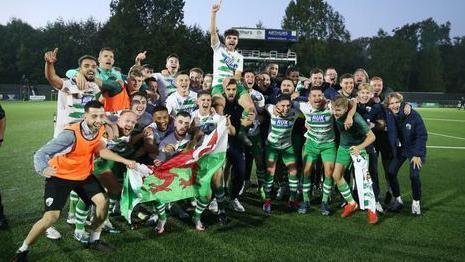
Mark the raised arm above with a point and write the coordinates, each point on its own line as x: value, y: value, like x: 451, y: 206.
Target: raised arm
x: 50, y: 58
x: 214, y: 39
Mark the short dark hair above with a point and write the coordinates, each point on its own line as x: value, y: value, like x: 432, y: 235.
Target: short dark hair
x: 291, y: 69
x: 248, y: 71
x: 139, y: 93
x: 316, y: 88
x: 86, y: 57
x: 106, y: 48
x: 183, y: 114
x: 203, y: 93
x: 283, y: 97
x: 92, y: 104
x: 316, y: 71
x: 345, y: 76
x: 288, y: 79
x: 159, y: 108
x: 197, y: 70
x: 231, y: 31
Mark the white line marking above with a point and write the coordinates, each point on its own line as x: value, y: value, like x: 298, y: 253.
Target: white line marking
x: 437, y: 134
x: 447, y: 147
x: 446, y: 120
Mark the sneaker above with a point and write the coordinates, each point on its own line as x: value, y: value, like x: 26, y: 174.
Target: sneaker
x: 213, y: 207
x: 324, y: 209
x: 71, y: 219
x: 396, y: 206
x: 303, y: 207
x: 349, y: 209
x: 198, y: 225
x: 52, y: 233
x: 108, y: 227
x: 81, y: 236
x: 223, y: 219
x: 237, y: 206
x: 20, y: 256
x: 99, y: 245
x: 3, y: 222
x: 379, y: 208
x: 292, y: 205
x: 267, y: 207
x: 416, y: 210
x: 152, y: 221
x: 372, y: 217
x: 160, y: 228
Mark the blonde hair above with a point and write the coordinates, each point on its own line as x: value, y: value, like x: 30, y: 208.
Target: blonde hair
x: 341, y: 102
x: 394, y: 95
x: 365, y: 86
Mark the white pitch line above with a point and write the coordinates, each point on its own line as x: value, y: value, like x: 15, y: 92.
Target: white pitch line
x: 437, y: 134
x: 447, y: 147
x: 446, y: 120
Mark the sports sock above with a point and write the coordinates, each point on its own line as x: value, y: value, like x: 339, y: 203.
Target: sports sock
x: 73, y: 199
x: 345, y: 191
x: 306, y: 186
x: 202, y: 203
x: 327, y: 186
x: 293, y: 183
x: 82, y: 211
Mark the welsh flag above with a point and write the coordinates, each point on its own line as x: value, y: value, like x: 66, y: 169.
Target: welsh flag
x: 186, y: 175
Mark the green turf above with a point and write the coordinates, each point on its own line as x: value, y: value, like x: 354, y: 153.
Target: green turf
x: 437, y: 235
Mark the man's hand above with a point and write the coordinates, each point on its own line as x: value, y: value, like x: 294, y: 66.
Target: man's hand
x: 157, y: 162
x: 81, y: 81
x: 140, y: 57
x: 407, y: 110
x: 416, y: 161
x: 130, y: 163
x: 51, y: 56
x: 354, y: 150
x: 148, y: 132
x: 246, y: 122
x: 348, y: 123
x: 49, y: 172
x: 228, y: 120
x: 294, y: 95
x: 169, y: 148
x: 216, y: 7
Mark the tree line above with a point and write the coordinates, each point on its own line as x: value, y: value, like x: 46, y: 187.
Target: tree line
x: 414, y: 57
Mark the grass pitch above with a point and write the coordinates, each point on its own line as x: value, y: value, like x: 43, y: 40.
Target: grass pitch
x: 437, y: 235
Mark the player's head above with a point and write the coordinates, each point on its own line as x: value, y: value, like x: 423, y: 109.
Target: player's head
x: 287, y: 86
x: 376, y: 83
x: 230, y: 89
x: 264, y: 80
x: 172, y: 63
x: 347, y: 83
x: 182, y: 84
x: 152, y: 84
x: 340, y: 106
x: 182, y: 122
x: 364, y: 93
x: 293, y: 74
x: 231, y: 39
x: 161, y: 118
x: 126, y: 122
x: 204, y: 101
x: 106, y: 58
x: 148, y: 70
x: 136, y: 79
x: 316, y: 97
x: 88, y: 67
x: 394, y: 101
x: 94, y: 115
x: 331, y: 75
x: 272, y: 70
x: 316, y: 77
x: 360, y: 76
x: 207, y: 82
x: 139, y: 103
x: 249, y: 78
x: 196, y: 77
x: 283, y: 105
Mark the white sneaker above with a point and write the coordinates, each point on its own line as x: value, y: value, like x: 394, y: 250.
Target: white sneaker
x: 81, y: 236
x: 152, y: 220
x: 71, y: 219
x: 108, y: 227
x: 213, y: 207
x: 52, y: 233
x: 237, y: 206
x: 379, y: 208
x: 416, y: 210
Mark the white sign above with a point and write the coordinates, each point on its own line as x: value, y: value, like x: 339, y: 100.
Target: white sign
x: 37, y: 98
x: 245, y: 33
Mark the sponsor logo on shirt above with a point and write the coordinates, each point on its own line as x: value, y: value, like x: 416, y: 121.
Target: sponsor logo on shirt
x: 229, y: 61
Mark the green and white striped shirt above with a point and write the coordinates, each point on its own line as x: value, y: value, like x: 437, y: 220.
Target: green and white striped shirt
x: 320, y: 121
x: 280, y: 136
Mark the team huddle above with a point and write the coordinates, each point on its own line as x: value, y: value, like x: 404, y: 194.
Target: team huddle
x: 306, y: 136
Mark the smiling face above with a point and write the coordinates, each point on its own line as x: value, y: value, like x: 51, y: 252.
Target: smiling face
x: 294, y: 76
x: 316, y: 79
x: 273, y: 70
x: 394, y: 104
x: 377, y: 86
x: 161, y: 119
x: 230, y: 92
x: 363, y: 95
x: 207, y: 83
x: 94, y: 118
x: 339, y: 111
x: 196, y: 79
x: 283, y: 108
x: 126, y: 122
x: 360, y: 77
x: 182, y: 84
x: 249, y: 79
x: 316, y: 98
x: 88, y: 68
x: 106, y: 59
x: 347, y: 85
x: 287, y: 87
x: 172, y: 64
x: 138, y: 105
x: 204, y: 102
x: 331, y: 76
